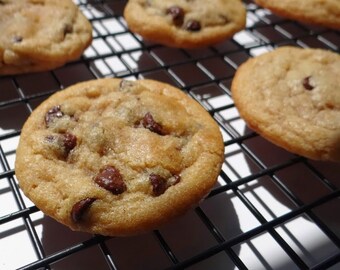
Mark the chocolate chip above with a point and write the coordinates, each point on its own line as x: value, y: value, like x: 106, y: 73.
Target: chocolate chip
x: 79, y: 209
x: 61, y: 144
x: 103, y: 150
x: 50, y: 138
x: 306, y: 83
x: 52, y: 114
x: 69, y: 142
x: 177, y: 14
x: 193, y: 25
x: 158, y: 183
x: 17, y: 39
x: 111, y: 179
x: 149, y: 123
x: 126, y: 85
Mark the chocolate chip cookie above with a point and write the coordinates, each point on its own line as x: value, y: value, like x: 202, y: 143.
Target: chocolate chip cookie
x: 185, y: 23
x: 118, y: 157
x: 291, y: 96
x: 320, y: 12
x: 40, y: 35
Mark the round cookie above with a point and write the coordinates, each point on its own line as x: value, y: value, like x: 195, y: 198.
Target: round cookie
x: 291, y: 96
x: 117, y: 157
x: 40, y: 35
x: 184, y: 23
x: 320, y: 12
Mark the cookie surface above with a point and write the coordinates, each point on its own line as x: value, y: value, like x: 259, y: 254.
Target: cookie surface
x: 118, y: 157
x: 291, y: 96
x: 320, y: 12
x: 39, y: 35
x: 183, y: 23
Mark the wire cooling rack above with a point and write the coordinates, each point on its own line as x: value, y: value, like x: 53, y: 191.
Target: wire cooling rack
x: 270, y: 209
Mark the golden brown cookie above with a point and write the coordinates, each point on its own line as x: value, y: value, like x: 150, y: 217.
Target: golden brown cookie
x: 39, y: 35
x: 320, y: 12
x: 185, y: 23
x: 291, y: 96
x: 118, y: 157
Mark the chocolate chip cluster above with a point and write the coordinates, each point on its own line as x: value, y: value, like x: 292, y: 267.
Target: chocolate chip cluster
x: 66, y: 141
x: 108, y: 177
x: 177, y: 14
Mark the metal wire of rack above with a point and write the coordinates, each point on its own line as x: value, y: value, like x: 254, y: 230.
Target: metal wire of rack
x: 270, y: 209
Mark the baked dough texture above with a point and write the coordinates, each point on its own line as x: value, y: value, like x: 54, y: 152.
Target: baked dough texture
x: 321, y: 12
x: 117, y: 157
x: 38, y: 35
x: 291, y: 96
x: 184, y: 23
